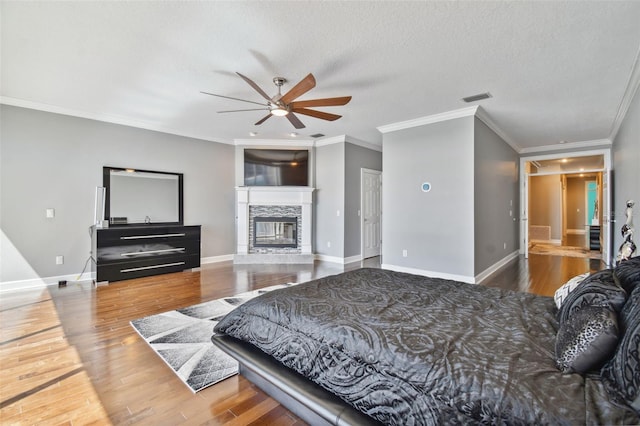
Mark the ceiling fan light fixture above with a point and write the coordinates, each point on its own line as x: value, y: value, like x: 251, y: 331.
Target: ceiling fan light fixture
x: 279, y: 112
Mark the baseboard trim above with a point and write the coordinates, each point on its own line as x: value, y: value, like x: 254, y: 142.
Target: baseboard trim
x: 216, y: 259
x: 340, y: 260
x: 35, y: 283
x: 41, y: 283
x: 553, y: 242
x: 433, y: 274
x: 496, y: 267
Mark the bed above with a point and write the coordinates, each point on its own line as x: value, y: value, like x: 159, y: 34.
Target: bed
x: 373, y: 346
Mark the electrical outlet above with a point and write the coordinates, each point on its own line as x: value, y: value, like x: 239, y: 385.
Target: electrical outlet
x: 338, y: 213
x: 59, y: 260
x: 329, y: 244
x: 404, y: 253
x: 51, y: 213
x: 505, y: 245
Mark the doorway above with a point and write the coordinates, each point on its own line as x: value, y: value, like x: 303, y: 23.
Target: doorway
x: 370, y: 212
x: 565, y: 203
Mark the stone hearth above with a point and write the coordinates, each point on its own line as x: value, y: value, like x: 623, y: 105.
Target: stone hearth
x: 273, y: 201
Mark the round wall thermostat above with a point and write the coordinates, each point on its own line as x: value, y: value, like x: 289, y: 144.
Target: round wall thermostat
x: 426, y: 187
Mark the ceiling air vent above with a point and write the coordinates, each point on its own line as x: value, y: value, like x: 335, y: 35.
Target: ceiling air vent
x: 478, y: 97
x: 317, y: 135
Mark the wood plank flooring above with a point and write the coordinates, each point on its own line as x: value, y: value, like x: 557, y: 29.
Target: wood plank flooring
x: 68, y: 356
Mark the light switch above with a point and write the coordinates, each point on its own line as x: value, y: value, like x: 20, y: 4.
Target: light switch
x: 51, y: 213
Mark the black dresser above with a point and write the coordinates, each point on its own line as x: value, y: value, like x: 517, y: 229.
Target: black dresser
x: 126, y: 252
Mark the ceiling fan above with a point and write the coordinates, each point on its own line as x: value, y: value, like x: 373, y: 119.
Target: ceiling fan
x: 286, y: 105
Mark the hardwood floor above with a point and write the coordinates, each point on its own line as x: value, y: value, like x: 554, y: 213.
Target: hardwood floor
x: 69, y: 356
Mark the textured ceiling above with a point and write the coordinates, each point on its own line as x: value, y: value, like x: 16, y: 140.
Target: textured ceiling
x: 556, y: 70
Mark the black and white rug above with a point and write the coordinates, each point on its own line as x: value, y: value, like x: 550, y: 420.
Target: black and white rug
x: 182, y: 338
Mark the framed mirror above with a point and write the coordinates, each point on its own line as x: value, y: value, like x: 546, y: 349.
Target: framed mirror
x: 135, y: 197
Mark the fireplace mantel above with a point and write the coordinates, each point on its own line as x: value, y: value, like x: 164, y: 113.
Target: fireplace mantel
x: 247, y: 196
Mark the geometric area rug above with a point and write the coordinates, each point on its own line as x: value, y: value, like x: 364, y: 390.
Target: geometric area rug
x: 182, y: 338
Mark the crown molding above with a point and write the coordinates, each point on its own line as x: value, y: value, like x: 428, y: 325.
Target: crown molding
x: 435, y: 118
x: 330, y: 141
x: 348, y: 139
x: 627, y: 98
x: 484, y: 117
x: 274, y: 142
x: 363, y: 144
x: 476, y: 111
x: 567, y: 146
x: 113, y: 119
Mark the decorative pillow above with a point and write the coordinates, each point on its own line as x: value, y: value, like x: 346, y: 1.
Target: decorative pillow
x: 621, y: 373
x: 562, y: 293
x: 598, y: 289
x: 587, y: 339
x: 627, y: 274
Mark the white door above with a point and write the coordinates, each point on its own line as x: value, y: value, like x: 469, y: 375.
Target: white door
x: 524, y: 218
x: 606, y: 217
x: 370, y: 201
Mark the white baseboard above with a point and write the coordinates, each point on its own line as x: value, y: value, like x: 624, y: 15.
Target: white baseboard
x: 36, y: 283
x: 553, y: 242
x: 340, y: 260
x: 496, y: 266
x: 576, y: 232
x: 463, y: 278
x: 216, y: 259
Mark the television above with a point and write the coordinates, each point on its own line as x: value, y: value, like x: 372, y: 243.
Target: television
x: 276, y: 167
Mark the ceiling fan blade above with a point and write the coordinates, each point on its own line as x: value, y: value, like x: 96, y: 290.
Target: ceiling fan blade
x: 317, y: 114
x: 241, y: 110
x: 295, y: 121
x: 321, y: 102
x: 255, y: 86
x: 235, y: 99
x: 265, y: 118
x: 306, y: 84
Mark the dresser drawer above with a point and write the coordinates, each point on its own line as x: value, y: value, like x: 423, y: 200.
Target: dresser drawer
x: 140, y: 250
x: 146, y: 267
x: 136, y: 235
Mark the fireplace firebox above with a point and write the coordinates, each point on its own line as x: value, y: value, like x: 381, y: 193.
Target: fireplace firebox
x: 275, y: 232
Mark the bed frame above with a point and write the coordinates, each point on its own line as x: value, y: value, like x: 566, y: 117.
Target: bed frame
x: 310, y: 402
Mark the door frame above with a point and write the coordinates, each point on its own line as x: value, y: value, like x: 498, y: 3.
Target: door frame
x: 361, y: 212
x: 606, y: 197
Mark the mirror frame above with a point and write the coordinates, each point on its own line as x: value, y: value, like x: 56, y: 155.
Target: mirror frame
x: 106, y: 182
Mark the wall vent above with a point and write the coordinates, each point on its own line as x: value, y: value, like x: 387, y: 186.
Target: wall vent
x: 317, y: 135
x: 478, y: 97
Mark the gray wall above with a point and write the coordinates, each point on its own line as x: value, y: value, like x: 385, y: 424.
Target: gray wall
x: 55, y: 161
x: 356, y: 158
x: 545, y: 203
x: 436, y: 228
x: 496, y: 198
x: 626, y: 174
x: 329, y: 200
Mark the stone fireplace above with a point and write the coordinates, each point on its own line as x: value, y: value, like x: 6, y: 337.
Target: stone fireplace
x: 274, y: 224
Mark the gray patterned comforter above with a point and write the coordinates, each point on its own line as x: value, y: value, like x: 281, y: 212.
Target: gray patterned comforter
x: 412, y: 350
